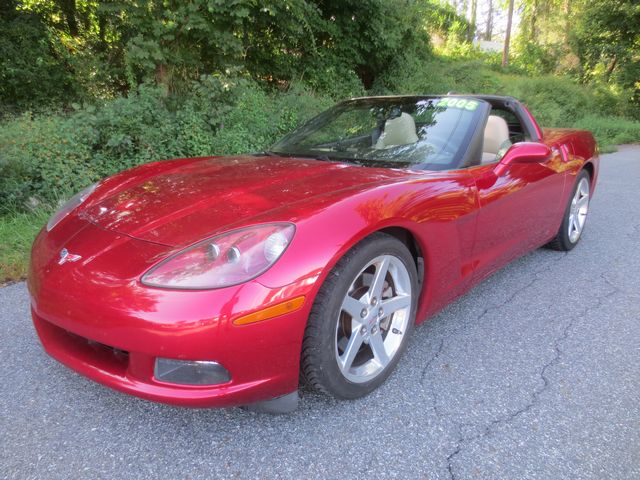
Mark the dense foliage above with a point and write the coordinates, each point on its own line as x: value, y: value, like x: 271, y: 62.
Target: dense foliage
x: 594, y: 41
x: 111, y: 47
x: 89, y: 88
x: 33, y: 64
x: 43, y: 158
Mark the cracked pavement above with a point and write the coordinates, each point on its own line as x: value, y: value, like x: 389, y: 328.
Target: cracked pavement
x: 534, y: 374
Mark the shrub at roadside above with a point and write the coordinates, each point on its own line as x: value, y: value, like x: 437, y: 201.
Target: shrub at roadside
x: 45, y: 158
x: 610, y: 131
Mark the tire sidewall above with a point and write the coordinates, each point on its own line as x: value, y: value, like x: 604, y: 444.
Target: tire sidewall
x: 327, y: 312
x: 567, y: 244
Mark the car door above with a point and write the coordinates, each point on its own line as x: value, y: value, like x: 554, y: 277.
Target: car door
x: 519, y: 208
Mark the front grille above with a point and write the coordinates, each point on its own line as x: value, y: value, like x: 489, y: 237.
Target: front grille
x: 68, y: 346
x: 118, y: 355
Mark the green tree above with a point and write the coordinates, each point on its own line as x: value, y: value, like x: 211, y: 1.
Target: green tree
x: 608, y: 36
x: 34, y: 64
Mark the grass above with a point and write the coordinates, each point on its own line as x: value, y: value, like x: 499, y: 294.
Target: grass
x: 17, y: 231
x: 611, y: 131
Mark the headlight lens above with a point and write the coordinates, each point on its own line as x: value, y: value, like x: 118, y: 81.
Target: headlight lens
x: 228, y: 259
x: 68, y: 207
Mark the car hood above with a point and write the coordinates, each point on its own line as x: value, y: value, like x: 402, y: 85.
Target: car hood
x: 184, y: 201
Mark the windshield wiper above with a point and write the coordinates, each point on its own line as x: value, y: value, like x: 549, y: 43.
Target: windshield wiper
x: 269, y: 153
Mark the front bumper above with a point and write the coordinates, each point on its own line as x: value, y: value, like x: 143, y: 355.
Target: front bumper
x: 96, y: 318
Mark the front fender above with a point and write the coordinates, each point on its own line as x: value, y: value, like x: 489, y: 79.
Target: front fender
x: 440, y: 214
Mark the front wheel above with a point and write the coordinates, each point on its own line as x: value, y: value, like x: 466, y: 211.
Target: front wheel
x: 361, y: 319
x: 575, y: 215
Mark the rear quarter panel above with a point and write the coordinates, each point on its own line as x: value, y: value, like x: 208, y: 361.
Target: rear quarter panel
x: 580, y: 151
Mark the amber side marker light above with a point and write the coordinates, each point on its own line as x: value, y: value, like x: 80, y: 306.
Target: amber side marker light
x: 271, y: 312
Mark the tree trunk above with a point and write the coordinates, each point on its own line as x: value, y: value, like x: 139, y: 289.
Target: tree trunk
x: 534, y: 16
x: 69, y: 11
x: 567, y: 20
x: 489, y: 30
x: 162, y: 78
x: 464, y: 8
x: 471, y: 33
x: 507, y: 36
x: 102, y: 32
x: 611, y: 68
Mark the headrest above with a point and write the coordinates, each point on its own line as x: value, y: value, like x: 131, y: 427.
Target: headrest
x: 398, y: 131
x: 495, y: 134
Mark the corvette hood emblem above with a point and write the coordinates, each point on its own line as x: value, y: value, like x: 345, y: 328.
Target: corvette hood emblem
x: 65, y: 257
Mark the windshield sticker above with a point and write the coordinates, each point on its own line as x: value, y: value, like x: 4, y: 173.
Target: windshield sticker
x: 470, y: 105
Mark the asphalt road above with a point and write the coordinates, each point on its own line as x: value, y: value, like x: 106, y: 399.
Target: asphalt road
x: 534, y: 374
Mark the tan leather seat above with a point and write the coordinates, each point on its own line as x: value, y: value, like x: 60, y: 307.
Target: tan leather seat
x: 496, y: 134
x: 398, y: 131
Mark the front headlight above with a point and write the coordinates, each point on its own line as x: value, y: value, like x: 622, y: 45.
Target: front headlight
x: 224, y: 260
x: 68, y: 207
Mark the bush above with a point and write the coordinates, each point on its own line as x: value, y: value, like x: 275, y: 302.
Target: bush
x: 46, y: 157
x: 420, y: 76
x: 610, y: 131
x: 554, y: 101
x: 43, y: 157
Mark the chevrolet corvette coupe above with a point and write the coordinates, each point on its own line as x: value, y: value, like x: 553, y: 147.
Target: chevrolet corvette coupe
x: 223, y: 281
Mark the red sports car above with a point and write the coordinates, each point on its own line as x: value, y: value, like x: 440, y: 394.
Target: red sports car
x: 221, y: 281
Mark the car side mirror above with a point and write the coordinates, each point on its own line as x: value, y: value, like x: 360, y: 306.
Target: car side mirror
x: 523, y: 152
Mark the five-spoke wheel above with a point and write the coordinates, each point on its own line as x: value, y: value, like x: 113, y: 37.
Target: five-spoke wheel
x: 575, y: 215
x: 361, y: 319
x: 578, y: 210
x: 365, y: 309
x: 373, y: 318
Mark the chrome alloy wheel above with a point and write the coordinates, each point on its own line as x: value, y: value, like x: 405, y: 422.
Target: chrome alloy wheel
x: 578, y: 210
x: 373, y: 319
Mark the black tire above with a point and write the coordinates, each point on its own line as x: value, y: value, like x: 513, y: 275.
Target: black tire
x: 561, y: 241
x: 319, y: 366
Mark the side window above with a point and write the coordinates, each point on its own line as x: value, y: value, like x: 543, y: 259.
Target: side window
x: 502, y: 130
x: 516, y: 131
x: 497, y: 138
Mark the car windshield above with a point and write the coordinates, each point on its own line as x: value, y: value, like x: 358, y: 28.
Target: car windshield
x: 430, y: 133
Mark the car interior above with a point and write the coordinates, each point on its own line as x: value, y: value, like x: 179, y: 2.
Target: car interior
x: 402, y: 134
x: 398, y: 131
x: 402, y: 126
x: 503, y: 129
x: 496, y: 139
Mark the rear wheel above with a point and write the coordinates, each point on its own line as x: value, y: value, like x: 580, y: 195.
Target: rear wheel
x: 361, y: 319
x: 575, y: 215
